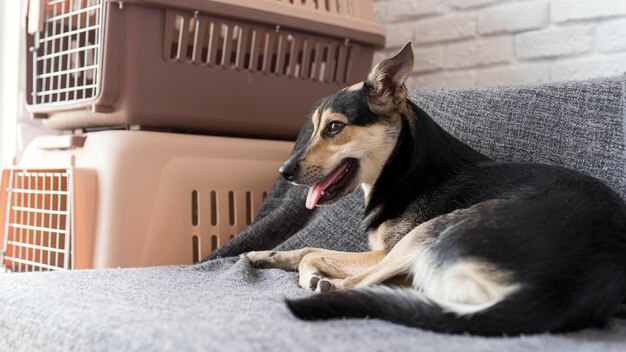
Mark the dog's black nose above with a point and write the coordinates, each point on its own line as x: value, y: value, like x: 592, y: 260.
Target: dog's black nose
x: 288, y: 170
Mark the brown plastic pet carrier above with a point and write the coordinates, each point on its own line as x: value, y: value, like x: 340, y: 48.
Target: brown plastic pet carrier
x: 235, y: 67
x: 130, y: 198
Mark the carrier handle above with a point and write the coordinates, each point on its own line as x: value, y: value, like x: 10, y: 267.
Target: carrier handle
x: 36, y: 16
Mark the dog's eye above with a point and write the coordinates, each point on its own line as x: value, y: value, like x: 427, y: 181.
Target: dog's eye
x: 334, y: 127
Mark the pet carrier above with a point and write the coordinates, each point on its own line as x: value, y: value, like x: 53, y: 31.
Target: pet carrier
x: 130, y: 198
x: 230, y: 67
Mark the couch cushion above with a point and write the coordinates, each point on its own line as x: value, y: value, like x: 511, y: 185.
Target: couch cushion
x: 222, y: 305
x: 579, y: 125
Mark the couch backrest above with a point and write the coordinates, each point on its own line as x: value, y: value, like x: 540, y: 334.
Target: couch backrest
x: 580, y: 125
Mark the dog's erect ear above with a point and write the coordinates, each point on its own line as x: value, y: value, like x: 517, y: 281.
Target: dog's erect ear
x: 385, y: 84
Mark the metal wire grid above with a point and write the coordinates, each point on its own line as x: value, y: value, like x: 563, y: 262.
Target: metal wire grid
x: 67, y: 54
x: 38, y: 226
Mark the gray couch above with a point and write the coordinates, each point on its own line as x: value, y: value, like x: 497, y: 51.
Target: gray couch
x: 225, y: 304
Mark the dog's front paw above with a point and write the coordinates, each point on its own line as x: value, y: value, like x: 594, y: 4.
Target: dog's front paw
x: 316, y: 283
x: 262, y: 259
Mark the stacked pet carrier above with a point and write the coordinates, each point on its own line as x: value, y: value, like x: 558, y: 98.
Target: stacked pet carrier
x: 172, y: 115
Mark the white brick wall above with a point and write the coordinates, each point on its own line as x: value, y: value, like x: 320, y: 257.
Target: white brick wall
x: 444, y: 28
x: 478, y: 52
x: 554, y: 42
x: 568, y: 10
x: 612, y: 36
x: 513, y: 17
x: 470, y: 43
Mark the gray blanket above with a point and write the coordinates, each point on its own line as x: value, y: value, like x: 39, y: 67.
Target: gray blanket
x: 225, y: 304
x: 221, y: 305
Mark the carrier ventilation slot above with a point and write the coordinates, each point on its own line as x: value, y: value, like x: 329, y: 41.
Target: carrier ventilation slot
x: 248, y: 208
x: 37, y: 227
x: 214, y: 243
x: 229, y: 212
x: 66, y: 54
x: 213, y: 208
x: 195, y: 246
x: 227, y: 207
x: 212, y: 42
x: 231, y: 208
x: 194, y: 208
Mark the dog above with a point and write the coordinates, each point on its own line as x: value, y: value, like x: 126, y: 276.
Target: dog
x: 474, y: 245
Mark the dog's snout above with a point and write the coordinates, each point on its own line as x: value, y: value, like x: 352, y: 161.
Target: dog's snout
x: 288, y: 170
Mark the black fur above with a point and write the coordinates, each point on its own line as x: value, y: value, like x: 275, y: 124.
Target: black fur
x: 353, y: 105
x: 561, y: 233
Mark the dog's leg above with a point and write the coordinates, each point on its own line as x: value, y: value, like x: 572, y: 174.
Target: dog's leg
x: 318, y: 269
x: 316, y: 265
x: 398, y: 262
x: 286, y: 260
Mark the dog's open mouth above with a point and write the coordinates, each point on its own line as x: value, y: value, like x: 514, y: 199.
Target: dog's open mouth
x: 333, y: 185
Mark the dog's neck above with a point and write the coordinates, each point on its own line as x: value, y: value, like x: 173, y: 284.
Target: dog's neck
x: 424, y: 157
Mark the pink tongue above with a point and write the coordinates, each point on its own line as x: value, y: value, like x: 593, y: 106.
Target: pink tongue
x: 315, y: 192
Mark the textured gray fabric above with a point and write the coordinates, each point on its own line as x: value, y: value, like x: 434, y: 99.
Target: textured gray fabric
x: 226, y: 305
x: 579, y: 125
x: 222, y: 305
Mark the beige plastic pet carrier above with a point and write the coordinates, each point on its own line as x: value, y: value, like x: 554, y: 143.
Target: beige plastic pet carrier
x: 230, y: 67
x: 130, y: 198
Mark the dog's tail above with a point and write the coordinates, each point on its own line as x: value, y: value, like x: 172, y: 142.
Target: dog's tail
x: 398, y: 305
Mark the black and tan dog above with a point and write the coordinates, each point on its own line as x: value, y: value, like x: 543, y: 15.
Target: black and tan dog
x: 486, y: 247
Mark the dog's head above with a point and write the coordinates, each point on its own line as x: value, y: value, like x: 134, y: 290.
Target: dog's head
x: 351, y: 133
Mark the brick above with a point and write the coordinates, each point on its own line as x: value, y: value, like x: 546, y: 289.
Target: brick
x: 570, y: 10
x: 478, y: 53
x: 612, y: 36
x: 584, y: 68
x: 398, y: 34
x: 511, y: 75
x: 457, y: 79
x: 427, y: 59
x: 513, y: 17
x: 468, y: 4
x: 554, y: 42
x: 380, y: 12
x: 397, y: 10
x: 452, y: 27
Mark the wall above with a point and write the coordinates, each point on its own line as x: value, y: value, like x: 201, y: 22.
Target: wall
x: 10, y: 97
x: 468, y: 43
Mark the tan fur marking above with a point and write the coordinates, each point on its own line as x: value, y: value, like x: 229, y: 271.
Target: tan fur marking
x: 288, y: 260
x: 399, y: 261
x: 315, y: 119
x: 356, y: 86
x: 473, y: 282
x: 372, y: 145
x: 334, y: 266
x: 312, y: 262
x: 389, y: 232
x: 340, y: 265
x: 347, y: 134
x: 330, y: 115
